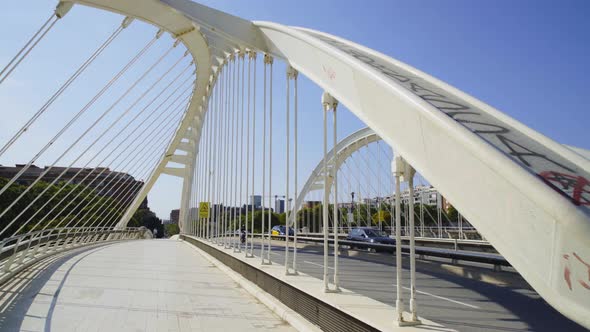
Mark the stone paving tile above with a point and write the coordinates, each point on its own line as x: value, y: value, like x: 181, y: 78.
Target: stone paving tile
x: 149, y: 285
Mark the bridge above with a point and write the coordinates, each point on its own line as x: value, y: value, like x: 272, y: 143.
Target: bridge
x: 199, y: 100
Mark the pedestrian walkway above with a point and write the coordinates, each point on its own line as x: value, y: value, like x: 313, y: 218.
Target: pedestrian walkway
x: 147, y: 285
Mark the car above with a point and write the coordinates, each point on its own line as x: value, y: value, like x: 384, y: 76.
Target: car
x: 281, y: 230
x: 365, y: 235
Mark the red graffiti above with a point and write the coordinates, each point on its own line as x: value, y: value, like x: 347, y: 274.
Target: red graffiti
x: 584, y: 284
x: 575, y: 187
x: 330, y: 72
x: 567, y: 272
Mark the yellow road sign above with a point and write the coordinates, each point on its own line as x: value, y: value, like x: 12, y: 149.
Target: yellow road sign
x: 204, y: 210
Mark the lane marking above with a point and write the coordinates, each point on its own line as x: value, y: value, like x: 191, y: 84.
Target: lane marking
x: 442, y: 298
x: 406, y: 288
x: 316, y: 264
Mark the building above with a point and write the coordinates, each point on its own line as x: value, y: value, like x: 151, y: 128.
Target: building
x: 105, y: 182
x: 279, y: 206
x: 174, y: 216
x: 422, y: 195
x: 256, y: 201
x: 311, y: 204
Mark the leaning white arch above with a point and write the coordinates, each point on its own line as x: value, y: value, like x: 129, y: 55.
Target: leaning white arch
x: 344, y: 149
x: 518, y: 187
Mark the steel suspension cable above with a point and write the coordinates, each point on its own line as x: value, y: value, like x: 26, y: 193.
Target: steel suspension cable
x: 159, y: 160
x: 137, y: 127
x: 145, y: 170
x: 70, y: 80
x: 86, y: 150
x: 14, y: 178
x: 26, y: 49
x: 137, y: 152
x: 108, y: 144
x: 130, y: 159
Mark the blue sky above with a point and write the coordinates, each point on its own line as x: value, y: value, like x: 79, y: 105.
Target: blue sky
x: 529, y: 59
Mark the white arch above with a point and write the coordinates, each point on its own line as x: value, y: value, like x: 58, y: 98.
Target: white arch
x: 344, y: 149
x: 518, y: 187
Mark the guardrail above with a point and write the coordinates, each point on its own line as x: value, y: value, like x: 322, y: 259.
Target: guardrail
x: 443, y: 232
x: 454, y: 255
x: 19, y: 252
x: 445, y: 243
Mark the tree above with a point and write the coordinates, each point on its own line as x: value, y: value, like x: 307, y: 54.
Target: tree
x: 171, y: 229
x: 71, y: 205
x: 151, y: 222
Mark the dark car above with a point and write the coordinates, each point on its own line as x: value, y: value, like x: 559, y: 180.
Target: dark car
x: 369, y: 235
x: 281, y: 230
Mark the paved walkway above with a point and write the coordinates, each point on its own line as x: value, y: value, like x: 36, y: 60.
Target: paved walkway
x: 148, y: 285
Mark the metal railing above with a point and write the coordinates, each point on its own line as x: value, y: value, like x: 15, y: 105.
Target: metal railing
x: 447, y: 232
x: 19, y: 252
x: 454, y: 252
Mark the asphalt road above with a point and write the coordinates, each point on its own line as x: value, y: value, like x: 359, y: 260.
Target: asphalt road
x: 462, y: 302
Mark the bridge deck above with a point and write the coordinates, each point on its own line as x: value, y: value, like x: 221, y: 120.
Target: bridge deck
x: 152, y: 285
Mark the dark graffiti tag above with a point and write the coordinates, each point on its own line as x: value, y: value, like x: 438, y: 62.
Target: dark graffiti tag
x: 522, y: 149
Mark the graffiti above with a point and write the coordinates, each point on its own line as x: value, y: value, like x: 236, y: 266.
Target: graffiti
x: 521, y: 148
x: 567, y: 271
x: 576, y: 187
x: 330, y: 72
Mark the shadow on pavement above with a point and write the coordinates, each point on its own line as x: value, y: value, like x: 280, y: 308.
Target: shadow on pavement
x: 19, y: 293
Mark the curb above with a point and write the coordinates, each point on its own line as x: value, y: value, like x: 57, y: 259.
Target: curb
x: 278, y: 308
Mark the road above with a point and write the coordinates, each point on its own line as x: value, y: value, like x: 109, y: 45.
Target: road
x: 453, y: 296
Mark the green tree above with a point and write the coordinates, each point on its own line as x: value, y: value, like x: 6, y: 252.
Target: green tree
x: 171, y: 229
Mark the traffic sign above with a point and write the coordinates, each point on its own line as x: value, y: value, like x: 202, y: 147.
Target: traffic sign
x: 204, y: 210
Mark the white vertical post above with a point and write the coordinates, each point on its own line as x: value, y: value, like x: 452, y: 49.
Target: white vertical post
x: 287, y: 194
x: 460, y: 221
x: 335, y: 186
x: 252, y: 56
x: 240, y: 194
x: 409, y: 174
x: 295, y: 224
x: 262, y: 244
x: 397, y: 168
x: 269, y: 60
x: 326, y: 197
x: 247, y: 160
x: 234, y: 154
x: 328, y: 103
x: 226, y: 158
x: 422, y: 212
x: 211, y: 110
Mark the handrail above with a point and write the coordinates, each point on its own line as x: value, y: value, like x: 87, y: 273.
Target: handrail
x: 21, y: 251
